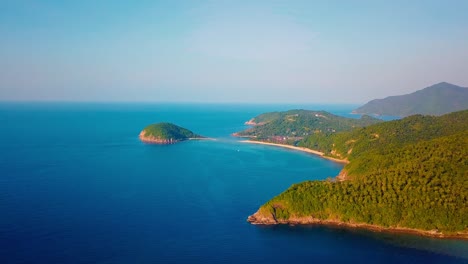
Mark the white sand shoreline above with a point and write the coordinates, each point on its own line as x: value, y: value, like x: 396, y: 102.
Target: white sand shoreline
x: 318, y: 153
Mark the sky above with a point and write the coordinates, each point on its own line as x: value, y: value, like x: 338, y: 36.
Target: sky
x: 229, y: 51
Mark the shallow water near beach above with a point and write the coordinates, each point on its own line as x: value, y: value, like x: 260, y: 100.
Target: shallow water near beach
x: 77, y: 186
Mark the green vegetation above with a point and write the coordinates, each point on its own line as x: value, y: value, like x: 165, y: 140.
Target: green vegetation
x: 438, y: 99
x: 386, y: 135
x: 167, y: 131
x: 291, y: 126
x: 409, y: 173
x: 267, y: 117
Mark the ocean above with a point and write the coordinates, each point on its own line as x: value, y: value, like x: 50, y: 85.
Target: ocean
x: 77, y: 186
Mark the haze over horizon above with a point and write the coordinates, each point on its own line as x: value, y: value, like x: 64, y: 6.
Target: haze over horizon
x: 229, y: 51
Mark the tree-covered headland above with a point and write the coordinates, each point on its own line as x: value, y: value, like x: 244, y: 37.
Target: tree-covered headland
x: 408, y: 173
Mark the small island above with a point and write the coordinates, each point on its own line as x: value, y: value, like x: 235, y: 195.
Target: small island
x: 166, y: 133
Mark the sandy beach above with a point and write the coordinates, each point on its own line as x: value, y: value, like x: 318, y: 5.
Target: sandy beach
x: 318, y: 153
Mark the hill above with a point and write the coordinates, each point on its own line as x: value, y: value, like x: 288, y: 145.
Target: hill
x: 166, y: 133
x: 291, y: 126
x: 438, y: 99
x: 407, y: 174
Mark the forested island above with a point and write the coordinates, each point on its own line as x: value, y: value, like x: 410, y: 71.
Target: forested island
x: 407, y: 175
x: 166, y: 133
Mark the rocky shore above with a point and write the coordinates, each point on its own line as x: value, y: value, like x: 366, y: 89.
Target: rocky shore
x: 262, y: 218
x: 154, y: 140
x: 252, y: 122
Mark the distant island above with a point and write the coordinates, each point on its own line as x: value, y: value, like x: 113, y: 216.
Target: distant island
x: 438, y: 99
x: 166, y: 133
x: 406, y: 175
x: 291, y: 127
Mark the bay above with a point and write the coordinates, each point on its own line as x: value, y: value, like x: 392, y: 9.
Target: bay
x: 77, y: 186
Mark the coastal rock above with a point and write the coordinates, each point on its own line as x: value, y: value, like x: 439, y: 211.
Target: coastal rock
x: 266, y: 218
x: 154, y: 140
x: 262, y: 219
x: 251, y: 122
x: 342, y: 176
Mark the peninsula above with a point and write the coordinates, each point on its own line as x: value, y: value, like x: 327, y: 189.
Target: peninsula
x: 290, y: 127
x: 405, y: 175
x: 166, y: 133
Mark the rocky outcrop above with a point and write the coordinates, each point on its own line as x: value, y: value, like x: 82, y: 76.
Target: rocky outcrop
x: 154, y: 140
x: 261, y: 217
x: 343, y: 176
x: 251, y: 122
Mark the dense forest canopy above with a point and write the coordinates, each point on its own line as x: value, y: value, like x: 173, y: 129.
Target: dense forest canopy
x: 410, y: 173
x: 349, y: 144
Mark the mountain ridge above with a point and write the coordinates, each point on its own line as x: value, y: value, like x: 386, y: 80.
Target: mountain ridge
x: 438, y: 99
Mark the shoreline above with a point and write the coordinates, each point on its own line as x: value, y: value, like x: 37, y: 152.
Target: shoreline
x: 201, y: 138
x: 256, y: 219
x: 259, y: 219
x: 153, y: 140
x: 149, y: 140
x: 302, y: 149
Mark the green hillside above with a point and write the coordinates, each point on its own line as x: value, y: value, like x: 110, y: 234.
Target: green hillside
x: 439, y: 99
x: 389, y: 134
x: 297, y: 124
x: 267, y: 117
x: 410, y: 173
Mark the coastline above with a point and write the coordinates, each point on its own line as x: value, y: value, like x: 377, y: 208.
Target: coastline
x: 258, y: 219
x: 201, y: 138
x: 152, y: 140
x: 318, y: 153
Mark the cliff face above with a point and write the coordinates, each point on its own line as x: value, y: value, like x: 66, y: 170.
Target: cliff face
x: 154, y: 140
x: 263, y: 218
x: 260, y: 218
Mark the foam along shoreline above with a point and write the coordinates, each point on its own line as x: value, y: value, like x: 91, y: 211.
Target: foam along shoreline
x: 154, y: 140
x: 168, y: 142
x: 318, y: 153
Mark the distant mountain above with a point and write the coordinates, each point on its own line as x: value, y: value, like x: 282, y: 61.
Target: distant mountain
x: 438, y: 99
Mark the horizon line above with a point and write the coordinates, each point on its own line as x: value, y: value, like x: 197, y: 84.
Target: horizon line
x: 179, y: 102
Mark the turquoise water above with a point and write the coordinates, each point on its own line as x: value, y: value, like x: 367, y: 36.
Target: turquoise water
x: 77, y: 186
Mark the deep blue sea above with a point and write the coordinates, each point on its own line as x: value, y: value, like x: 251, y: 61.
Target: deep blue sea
x: 77, y: 186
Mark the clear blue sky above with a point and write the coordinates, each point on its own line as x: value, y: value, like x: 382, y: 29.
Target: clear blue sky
x: 229, y: 51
